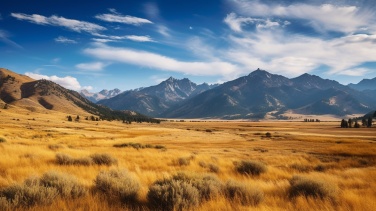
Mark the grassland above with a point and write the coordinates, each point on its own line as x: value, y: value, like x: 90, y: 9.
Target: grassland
x: 308, y: 166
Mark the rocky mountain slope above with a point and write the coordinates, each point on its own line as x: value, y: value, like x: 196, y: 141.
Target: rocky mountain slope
x: 365, y: 84
x: 156, y: 99
x: 259, y: 93
x: 104, y: 94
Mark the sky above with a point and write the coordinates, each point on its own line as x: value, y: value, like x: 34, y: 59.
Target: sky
x: 97, y: 45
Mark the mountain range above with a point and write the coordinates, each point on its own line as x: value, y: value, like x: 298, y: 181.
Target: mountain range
x: 157, y: 99
x: 104, y: 94
x: 250, y: 97
x: 23, y: 92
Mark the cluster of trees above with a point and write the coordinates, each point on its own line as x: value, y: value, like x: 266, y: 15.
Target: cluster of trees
x: 128, y: 120
x: 311, y: 120
x: 354, y: 123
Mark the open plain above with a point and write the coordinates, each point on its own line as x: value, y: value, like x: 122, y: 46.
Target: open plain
x: 341, y: 160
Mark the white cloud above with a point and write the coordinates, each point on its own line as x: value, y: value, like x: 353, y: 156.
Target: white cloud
x: 101, y: 40
x: 94, y: 66
x: 123, y: 19
x: 152, y: 60
x: 68, y: 82
x: 236, y: 23
x: 326, y: 17
x: 88, y: 88
x: 292, y: 54
x: 62, y: 39
x: 74, y: 25
x: 113, y: 10
x: 135, y: 38
x: 355, y: 72
x: 163, y: 30
x: 139, y: 38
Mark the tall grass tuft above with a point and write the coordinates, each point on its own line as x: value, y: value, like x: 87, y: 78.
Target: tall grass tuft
x: 243, y: 194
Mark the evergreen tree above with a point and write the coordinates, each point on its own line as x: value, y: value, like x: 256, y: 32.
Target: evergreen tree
x: 369, y: 123
x: 356, y: 125
x: 364, y: 122
x: 344, y: 124
x: 350, y: 123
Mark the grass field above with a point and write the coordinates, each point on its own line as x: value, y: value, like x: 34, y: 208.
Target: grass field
x: 252, y: 165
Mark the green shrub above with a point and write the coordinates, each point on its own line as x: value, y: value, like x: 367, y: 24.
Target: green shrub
x: 2, y: 140
x: 103, y: 159
x: 239, y: 192
x: 119, y: 184
x: 251, y: 168
x: 301, y: 186
x: 170, y: 194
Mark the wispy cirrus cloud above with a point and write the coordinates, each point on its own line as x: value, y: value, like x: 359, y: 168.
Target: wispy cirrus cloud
x: 62, y: 39
x: 327, y: 17
x: 236, y: 23
x: 125, y: 19
x: 4, y: 37
x: 71, y: 24
x: 94, y: 66
x: 136, y: 38
x: 160, y: 62
x: 68, y: 82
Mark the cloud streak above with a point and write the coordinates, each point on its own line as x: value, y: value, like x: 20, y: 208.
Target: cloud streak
x: 117, y: 18
x: 94, y: 66
x: 152, y: 60
x: 71, y: 24
x: 62, y: 39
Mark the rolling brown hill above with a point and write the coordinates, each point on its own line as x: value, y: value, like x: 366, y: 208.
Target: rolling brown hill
x: 37, y: 95
x: 43, y: 95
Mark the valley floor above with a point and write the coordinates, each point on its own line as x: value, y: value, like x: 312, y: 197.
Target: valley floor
x: 342, y: 160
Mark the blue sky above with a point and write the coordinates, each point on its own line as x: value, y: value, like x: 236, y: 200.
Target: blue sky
x: 131, y: 44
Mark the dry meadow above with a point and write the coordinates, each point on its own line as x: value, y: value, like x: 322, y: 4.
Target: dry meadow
x: 90, y: 165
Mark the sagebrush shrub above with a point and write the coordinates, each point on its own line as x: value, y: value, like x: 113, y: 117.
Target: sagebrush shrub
x: 103, y: 159
x: 302, y: 186
x: 208, y: 186
x: 119, y: 184
x: 41, y: 191
x: 239, y: 192
x: 24, y: 195
x: 2, y: 140
x: 67, y: 185
x: 251, y: 167
x: 170, y: 194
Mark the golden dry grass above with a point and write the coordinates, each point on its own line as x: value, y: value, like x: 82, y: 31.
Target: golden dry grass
x: 344, y: 158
